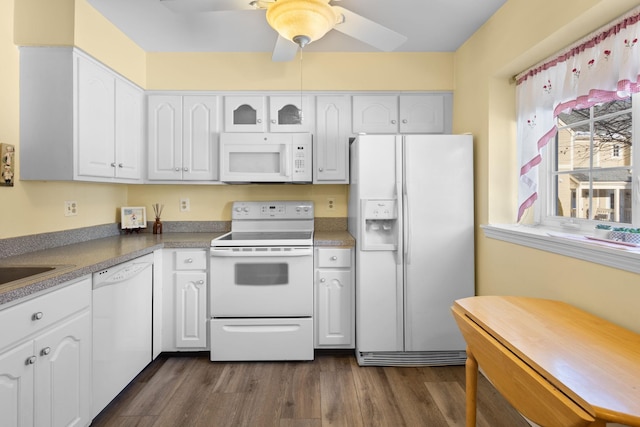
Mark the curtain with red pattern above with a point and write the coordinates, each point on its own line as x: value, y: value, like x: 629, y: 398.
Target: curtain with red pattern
x: 602, y: 67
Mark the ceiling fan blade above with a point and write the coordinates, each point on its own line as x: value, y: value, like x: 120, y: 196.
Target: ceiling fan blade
x: 368, y: 31
x: 284, y: 51
x: 191, y: 6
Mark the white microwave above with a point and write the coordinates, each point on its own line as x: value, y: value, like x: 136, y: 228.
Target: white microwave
x: 266, y: 157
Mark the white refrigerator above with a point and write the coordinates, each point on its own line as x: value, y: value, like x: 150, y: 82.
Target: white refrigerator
x: 411, y: 210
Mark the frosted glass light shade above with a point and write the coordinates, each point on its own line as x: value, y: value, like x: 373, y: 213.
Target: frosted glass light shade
x: 308, y: 18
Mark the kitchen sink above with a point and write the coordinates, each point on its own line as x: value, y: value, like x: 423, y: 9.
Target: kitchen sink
x: 9, y: 274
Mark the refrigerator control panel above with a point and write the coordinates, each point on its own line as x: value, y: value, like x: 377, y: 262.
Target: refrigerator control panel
x: 380, y: 209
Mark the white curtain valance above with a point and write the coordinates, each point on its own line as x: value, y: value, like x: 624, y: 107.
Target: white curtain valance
x: 601, y: 67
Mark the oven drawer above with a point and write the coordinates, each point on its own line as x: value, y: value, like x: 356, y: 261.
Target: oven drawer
x: 333, y: 257
x: 261, y: 339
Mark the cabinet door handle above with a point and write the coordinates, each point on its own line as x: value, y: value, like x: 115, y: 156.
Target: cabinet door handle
x: 45, y: 351
x: 393, y: 122
x: 177, y: 169
x: 320, y: 169
x: 113, y: 165
x: 259, y: 121
x: 404, y: 121
x: 37, y: 316
x: 186, y: 169
x: 273, y: 121
x: 323, y: 280
x: 200, y: 282
x: 120, y: 165
x: 30, y: 361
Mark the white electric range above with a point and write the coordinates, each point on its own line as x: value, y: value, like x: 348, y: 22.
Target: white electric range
x: 261, y: 285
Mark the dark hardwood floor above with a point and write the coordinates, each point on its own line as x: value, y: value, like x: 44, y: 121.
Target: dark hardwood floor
x: 189, y: 390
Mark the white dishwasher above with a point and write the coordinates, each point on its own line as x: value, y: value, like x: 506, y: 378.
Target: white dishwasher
x: 122, y: 327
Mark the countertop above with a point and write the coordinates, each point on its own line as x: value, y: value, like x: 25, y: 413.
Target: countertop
x: 79, y: 259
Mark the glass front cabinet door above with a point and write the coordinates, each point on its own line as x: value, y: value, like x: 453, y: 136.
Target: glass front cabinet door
x: 287, y: 113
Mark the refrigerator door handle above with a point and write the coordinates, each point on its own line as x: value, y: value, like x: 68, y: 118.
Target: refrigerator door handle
x: 405, y: 229
x: 406, y: 220
x: 400, y: 201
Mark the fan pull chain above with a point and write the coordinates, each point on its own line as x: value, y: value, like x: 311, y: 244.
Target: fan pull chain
x: 301, y: 112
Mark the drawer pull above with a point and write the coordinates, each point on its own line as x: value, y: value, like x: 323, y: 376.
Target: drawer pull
x: 45, y: 351
x: 37, y: 316
x: 188, y: 260
x: 333, y: 258
x: 323, y: 280
x: 30, y: 361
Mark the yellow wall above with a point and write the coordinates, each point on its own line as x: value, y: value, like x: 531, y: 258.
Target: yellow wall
x: 520, y: 35
x: 320, y: 71
x: 213, y: 202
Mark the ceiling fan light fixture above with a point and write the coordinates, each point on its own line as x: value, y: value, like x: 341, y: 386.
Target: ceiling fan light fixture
x: 302, y: 21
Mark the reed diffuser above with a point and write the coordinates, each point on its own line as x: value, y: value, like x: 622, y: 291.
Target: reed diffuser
x: 157, y: 225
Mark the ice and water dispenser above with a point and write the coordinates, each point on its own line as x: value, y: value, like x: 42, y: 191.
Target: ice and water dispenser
x: 380, y: 225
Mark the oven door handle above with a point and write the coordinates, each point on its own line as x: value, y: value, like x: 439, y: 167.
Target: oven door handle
x: 298, y: 252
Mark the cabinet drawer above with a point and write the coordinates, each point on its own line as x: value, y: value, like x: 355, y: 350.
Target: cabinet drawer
x: 41, y: 312
x: 334, y: 257
x: 191, y: 260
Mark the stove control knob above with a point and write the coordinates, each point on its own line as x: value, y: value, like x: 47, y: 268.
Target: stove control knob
x: 238, y: 209
x: 245, y: 209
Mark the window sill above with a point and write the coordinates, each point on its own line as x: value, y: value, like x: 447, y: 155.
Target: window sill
x: 563, y: 243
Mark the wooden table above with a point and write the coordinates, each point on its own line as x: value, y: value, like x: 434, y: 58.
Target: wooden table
x: 556, y: 364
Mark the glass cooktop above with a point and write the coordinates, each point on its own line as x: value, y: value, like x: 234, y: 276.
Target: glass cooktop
x: 265, y: 235
x: 264, y: 238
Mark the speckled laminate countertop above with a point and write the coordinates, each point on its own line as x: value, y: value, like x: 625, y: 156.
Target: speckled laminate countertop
x: 333, y: 238
x: 79, y: 259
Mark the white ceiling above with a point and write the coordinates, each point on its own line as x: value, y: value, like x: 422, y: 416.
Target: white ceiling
x: 429, y: 25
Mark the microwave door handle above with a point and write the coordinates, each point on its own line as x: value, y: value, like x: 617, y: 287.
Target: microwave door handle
x: 286, y: 158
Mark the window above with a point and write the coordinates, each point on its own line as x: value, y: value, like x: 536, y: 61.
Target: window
x: 576, y: 111
x: 615, y: 151
x: 590, y: 166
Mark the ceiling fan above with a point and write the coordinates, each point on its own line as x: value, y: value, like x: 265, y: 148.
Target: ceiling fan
x: 300, y: 22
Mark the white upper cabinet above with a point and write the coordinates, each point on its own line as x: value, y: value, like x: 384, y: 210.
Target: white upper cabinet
x: 109, y: 123
x: 245, y: 113
x: 375, y: 114
x: 331, y: 142
x: 78, y: 119
x: 424, y: 113
x: 183, y: 137
x: 291, y: 113
x: 286, y: 113
x: 129, y: 134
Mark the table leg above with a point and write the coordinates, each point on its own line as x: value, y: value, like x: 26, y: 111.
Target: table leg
x: 471, y: 370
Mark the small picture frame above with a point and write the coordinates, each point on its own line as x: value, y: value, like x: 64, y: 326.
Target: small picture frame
x: 7, y: 164
x: 133, y: 218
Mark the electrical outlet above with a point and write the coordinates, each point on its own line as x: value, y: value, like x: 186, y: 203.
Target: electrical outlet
x: 331, y: 203
x: 70, y: 208
x: 185, y: 206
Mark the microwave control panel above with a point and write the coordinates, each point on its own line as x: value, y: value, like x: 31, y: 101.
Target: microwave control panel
x: 301, y: 158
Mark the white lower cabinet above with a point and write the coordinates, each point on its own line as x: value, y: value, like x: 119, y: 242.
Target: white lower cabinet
x: 45, y: 359
x: 334, y: 314
x: 184, y: 300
